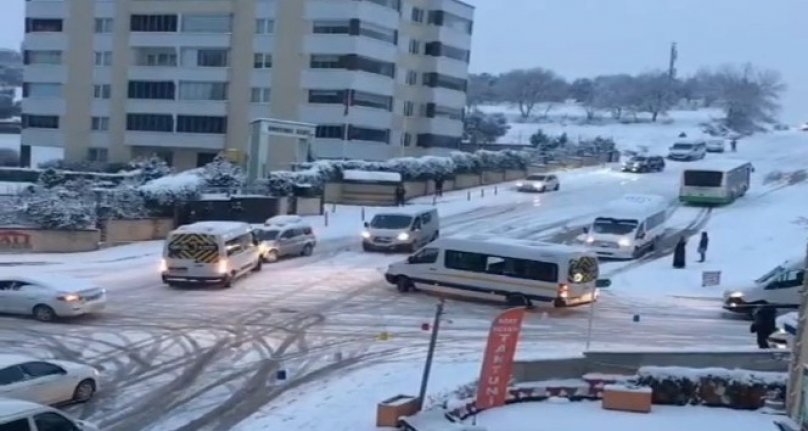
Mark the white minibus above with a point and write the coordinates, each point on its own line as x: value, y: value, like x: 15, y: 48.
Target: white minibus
x: 521, y: 272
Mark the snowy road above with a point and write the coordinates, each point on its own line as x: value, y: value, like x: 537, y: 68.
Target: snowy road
x: 207, y: 359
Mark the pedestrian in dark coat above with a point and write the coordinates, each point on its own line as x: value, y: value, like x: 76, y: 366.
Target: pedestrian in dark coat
x: 704, y: 241
x: 734, y: 145
x: 439, y: 186
x: 679, y: 253
x: 683, y: 135
x: 764, y: 325
x: 401, y: 193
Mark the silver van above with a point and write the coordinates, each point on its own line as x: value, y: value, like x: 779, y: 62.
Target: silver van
x: 401, y: 229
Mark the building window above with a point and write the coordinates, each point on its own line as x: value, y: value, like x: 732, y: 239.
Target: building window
x: 264, y: 26
x: 378, y: 32
x: 97, y: 155
x: 44, y: 57
x: 370, y: 100
x: 446, y: 19
x: 197, y: 90
x: 260, y: 94
x: 437, y: 49
x: 103, y: 58
x: 332, y: 27
x: 430, y: 140
x: 370, y: 65
x: 409, y: 108
x: 103, y: 25
x: 45, y: 90
x: 415, y: 46
x: 262, y: 60
x: 207, y: 23
x: 201, y: 124
x: 150, y: 122
x: 210, y: 57
x: 153, y: 23
x: 99, y: 123
x: 367, y: 134
x: 327, y: 96
x: 157, y: 90
x: 102, y: 91
x: 156, y: 56
x: 40, y: 121
x: 330, y: 132
x: 432, y: 79
x: 392, y: 4
x: 433, y: 110
x: 406, y: 139
x: 417, y: 14
x: 36, y: 25
x: 324, y: 61
x: 412, y: 77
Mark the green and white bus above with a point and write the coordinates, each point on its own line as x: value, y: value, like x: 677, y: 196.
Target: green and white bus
x: 715, y: 182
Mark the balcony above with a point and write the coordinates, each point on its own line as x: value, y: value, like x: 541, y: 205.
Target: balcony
x: 341, y: 79
x: 43, y: 137
x: 45, y: 41
x: 339, y: 44
x: 44, y: 73
x: 46, y: 9
x: 174, y: 140
x: 335, y: 114
x: 364, y: 10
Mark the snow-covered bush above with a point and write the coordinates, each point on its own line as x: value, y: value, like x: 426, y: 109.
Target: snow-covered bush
x: 125, y: 202
x: 223, y: 174
x: 173, y: 189
x: 149, y: 168
x: 50, y: 178
x: 58, y: 208
x: 465, y: 163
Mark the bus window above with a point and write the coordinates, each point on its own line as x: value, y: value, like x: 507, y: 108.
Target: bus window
x: 703, y: 178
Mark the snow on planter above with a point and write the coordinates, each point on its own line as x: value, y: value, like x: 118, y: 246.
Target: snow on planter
x: 369, y: 176
x: 435, y: 420
x: 739, y: 389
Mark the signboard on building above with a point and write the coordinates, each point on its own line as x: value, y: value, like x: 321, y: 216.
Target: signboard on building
x: 710, y: 278
x: 497, y: 368
x: 12, y: 240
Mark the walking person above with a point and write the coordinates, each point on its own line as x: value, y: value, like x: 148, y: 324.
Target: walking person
x: 733, y: 144
x: 764, y: 325
x: 439, y: 186
x: 704, y: 241
x: 679, y: 253
x: 401, y: 193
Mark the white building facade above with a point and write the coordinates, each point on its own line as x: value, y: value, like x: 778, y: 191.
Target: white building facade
x: 111, y: 80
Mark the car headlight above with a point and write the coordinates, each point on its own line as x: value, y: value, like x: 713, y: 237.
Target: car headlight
x: 221, y: 268
x: 590, y: 240
x: 520, y: 184
x: 538, y: 184
x: 365, y: 234
x: 71, y: 297
x: 403, y: 236
x: 624, y: 242
x: 736, y: 295
x: 163, y: 265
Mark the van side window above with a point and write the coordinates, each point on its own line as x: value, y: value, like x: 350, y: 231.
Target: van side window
x: 288, y: 234
x: 495, y: 265
x: 464, y: 261
x: 426, y: 218
x: 53, y: 422
x: 417, y: 223
x: 511, y: 267
x: 239, y: 244
x: 307, y: 230
x: 17, y: 425
x: 426, y: 255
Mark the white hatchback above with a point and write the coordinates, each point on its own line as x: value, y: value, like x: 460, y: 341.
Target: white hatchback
x: 18, y: 415
x: 47, y: 297
x: 46, y: 381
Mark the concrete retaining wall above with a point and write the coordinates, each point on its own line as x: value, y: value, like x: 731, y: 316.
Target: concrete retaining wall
x: 48, y: 241
x: 465, y: 181
x: 137, y: 230
x: 493, y: 177
x: 309, y: 206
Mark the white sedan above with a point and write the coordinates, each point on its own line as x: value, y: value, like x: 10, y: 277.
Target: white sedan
x: 539, y: 183
x: 47, y: 297
x: 46, y: 381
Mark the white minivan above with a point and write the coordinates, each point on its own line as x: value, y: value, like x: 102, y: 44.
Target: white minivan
x: 781, y: 287
x: 688, y: 151
x: 628, y: 227
x: 520, y: 272
x: 18, y: 415
x: 406, y: 228
x: 215, y: 252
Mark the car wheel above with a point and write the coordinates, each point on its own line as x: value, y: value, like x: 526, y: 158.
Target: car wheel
x: 557, y: 187
x: 84, y: 391
x: 228, y: 282
x: 404, y: 284
x: 43, y: 313
x: 258, y: 266
x: 636, y: 253
x: 307, y: 250
x: 271, y: 256
x: 517, y: 300
x: 365, y: 247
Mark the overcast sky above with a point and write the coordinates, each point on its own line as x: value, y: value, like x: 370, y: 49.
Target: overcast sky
x: 588, y: 37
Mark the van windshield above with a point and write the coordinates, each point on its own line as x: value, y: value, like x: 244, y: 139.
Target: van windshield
x: 391, y: 221
x: 769, y: 275
x: 613, y: 226
x: 267, y: 235
x: 682, y: 146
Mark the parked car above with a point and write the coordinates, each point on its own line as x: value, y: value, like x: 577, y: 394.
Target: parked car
x: 19, y: 415
x: 715, y: 146
x: 686, y: 151
x: 644, y: 164
x: 48, y: 297
x: 786, y: 330
x: 539, y: 183
x: 48, y: 381
x: 285, y: 236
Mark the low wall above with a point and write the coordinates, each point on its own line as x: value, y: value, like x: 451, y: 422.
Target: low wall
x: 48, y: 241
x: 368, y: 194
x: 332, y: 193
x: 514, y: 174
x: 136, y: 230
x: 493, y: 177
x: 630, y: 362
x: 465, y: 181
x: 415, y: 189
x: 309, y: 206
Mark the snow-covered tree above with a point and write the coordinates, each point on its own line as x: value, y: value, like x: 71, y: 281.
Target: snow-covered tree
x: 749, y: 97
x: 223, y: 174
x: 652, y: 93
x: 150, y: 168
x: 481, y: 89
x: 50, y: 178
x: 527, y: 88
x: 482, y: 128
x: 613, y: 93
x: 58, y: 208
x: 123, y: 203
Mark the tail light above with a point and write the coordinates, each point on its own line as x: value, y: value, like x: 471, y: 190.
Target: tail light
x: 563, y: 290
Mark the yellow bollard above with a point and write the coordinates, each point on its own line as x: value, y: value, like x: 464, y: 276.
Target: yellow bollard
x: 384, y: 336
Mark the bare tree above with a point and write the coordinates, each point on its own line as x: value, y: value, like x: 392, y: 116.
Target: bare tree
x: 527, y: 88
x: 613, y: 93
x: 481, y: 90
x: 748, y: 96
x: 653, y: 93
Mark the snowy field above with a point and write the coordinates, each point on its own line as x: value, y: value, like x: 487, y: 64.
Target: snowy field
x: 207, y: 359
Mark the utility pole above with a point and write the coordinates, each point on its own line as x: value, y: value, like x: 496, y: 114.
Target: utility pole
x: 674, y: 55
x: 799, y: 351
x: 430, y: 354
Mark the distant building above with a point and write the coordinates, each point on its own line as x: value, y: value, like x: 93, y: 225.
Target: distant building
x: 183, y: 79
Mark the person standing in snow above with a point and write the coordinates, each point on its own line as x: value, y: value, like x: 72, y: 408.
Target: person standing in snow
x: 764, y: 325
x: 401, y: 192
x: 733, y: 144
x: 703, y: 243
x: 439, y: 186
x: 679, y: 253
x: 683, y: 135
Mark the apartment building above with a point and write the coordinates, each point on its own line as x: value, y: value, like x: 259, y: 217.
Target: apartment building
x: 110, y: 80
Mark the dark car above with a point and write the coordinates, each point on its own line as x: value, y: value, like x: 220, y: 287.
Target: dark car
x: 644, y: 164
